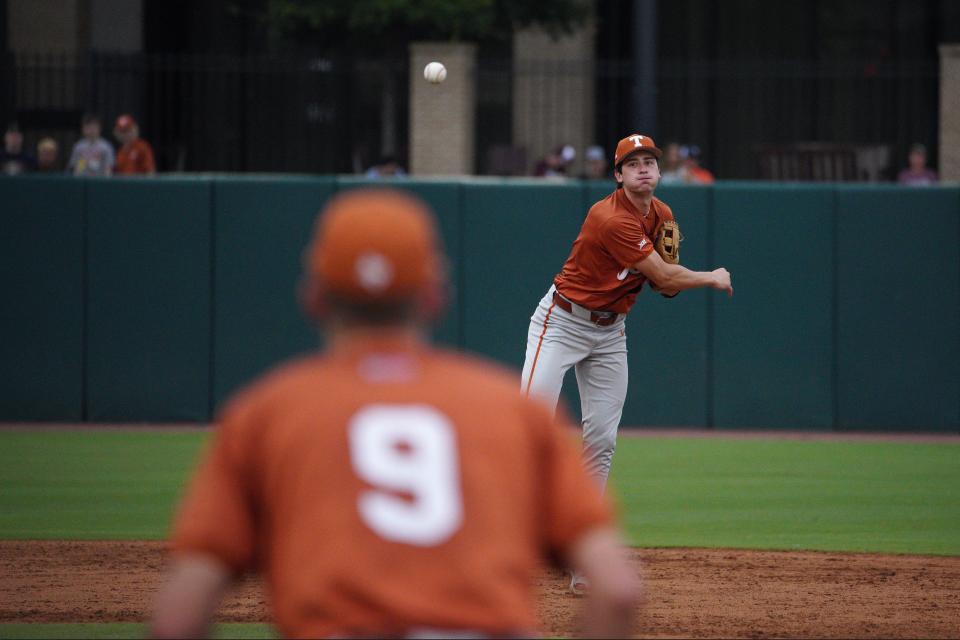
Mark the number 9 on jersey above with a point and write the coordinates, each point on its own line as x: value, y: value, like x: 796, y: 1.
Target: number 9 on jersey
x: 411, y: 450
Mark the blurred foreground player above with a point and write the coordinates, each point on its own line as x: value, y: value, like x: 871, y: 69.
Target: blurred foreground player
x: 386, y: 488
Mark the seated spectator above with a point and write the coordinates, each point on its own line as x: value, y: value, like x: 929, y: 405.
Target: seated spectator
x: 695, y: 174
x: 917, y: 174
x: 555, y: 163
x: 48, y: 155
x: 387, y: 168
x: 672, y: 170
x: 596, y: 164
x: 91, y: 155
x: 14, y: 160
x: 135, y: 155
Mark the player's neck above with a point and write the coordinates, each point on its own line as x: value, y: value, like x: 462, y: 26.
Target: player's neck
x: 640, y: 200
x: 348, y: 338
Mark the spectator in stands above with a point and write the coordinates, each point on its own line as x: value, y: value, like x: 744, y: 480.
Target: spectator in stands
x: 48, y: 155
x: 388, y: 167
x: 596, y: 164
x: 14, y: 160
x: 917, y: 173
x: 555, y: 163
x: 135, y: 155
x: 91, y: 155
x: 695, y: 174
x: 671, y: 165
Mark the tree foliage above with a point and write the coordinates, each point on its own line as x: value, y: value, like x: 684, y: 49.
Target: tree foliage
x: 379, y: 24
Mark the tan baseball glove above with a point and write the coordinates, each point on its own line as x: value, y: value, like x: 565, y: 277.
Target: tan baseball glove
x: 667, y: 242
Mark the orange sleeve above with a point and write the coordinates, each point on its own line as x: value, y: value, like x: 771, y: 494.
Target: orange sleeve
x: 572, y: 504
x: 149, y: 165
x: 626, y: 240
x: 666, y: 213
x: 216, y: 516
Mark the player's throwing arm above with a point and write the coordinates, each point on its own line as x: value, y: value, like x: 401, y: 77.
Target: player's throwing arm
x: 669, y: 279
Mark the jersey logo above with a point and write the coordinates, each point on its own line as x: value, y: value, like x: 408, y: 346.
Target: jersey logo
x: 623, y: 274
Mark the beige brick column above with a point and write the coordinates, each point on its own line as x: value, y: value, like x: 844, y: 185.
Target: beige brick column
x: 47, y: 26
x: 553, y: 92
x: 949, y: 162
x: 70, y: 26
x: 442, y: 116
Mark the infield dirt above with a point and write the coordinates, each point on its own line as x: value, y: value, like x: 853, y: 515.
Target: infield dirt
x: 698, y: 593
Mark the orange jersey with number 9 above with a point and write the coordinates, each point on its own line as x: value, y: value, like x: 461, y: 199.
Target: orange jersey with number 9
x: 389, y: 487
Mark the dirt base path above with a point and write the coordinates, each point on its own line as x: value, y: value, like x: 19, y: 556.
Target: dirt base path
x: 692, y: 593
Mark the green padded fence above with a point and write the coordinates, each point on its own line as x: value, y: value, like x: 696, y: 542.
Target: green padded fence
x: 773, y: 343
x: 262, y: 226
x: 898, y: 308
x: 154, y: 299
x: 41, y: 299
x: 515, y: 239
x: 148, y: 300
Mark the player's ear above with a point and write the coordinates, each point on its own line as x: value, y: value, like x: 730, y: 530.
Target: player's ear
x: 432, y: 300
x: 312, y: 299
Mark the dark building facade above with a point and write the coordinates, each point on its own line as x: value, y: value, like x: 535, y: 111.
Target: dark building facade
x: 217, y: 89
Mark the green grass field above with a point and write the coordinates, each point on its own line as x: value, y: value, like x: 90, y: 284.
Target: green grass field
x: 762, y: 494
x: 780, y: 494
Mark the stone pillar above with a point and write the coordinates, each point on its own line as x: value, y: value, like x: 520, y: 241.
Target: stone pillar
x: 553, y: 92
x: 71, y: 26
x: 442, y: 116
x: 949, y: 161
x: 47, y: 26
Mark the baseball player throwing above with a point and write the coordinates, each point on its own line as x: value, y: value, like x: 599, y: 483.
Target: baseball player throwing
x: 386, y: 488
x: 628, y: 238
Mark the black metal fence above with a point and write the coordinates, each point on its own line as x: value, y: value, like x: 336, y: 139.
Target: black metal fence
x: 214, y: 113
x: 330, y: 115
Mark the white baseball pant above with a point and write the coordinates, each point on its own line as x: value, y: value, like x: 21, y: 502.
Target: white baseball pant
x: 558, y: 340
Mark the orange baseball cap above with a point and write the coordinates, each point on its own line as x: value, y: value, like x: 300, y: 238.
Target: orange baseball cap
x: 375, y: 244
x: 635, y: 143
x: 125, y: 123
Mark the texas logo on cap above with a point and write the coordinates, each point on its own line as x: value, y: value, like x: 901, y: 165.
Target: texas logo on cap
x: 635, y: 143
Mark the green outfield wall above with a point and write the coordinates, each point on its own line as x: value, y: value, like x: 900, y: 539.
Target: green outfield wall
x: 154, y: 299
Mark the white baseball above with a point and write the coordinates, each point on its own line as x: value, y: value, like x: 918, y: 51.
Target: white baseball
x: 435, y: 72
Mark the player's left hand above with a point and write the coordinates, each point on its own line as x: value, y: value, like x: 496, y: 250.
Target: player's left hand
x: 667, y: 241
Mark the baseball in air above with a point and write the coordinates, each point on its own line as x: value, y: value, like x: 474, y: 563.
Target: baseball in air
x: 435, y: 72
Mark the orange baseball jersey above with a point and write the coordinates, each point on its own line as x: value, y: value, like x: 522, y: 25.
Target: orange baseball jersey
x: 614, y: 237
x: 134, y: 158
x: 388, y: 487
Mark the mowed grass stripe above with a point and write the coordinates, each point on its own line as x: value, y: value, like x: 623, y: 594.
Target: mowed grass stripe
x: 92, y: 485
x: 777, y: 494
x: 890, y: 497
